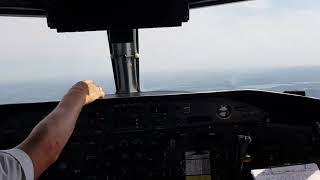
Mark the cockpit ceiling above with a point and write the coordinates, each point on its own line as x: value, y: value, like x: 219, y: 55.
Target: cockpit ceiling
x: 37, y: 8
x: 204, y: 3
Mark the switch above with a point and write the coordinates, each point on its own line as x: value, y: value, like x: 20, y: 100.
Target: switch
x: 186, y: 108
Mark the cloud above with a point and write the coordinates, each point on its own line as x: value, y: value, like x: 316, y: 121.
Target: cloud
x: 256, y: 4
x: 216, y: 38
x: 30, y: 50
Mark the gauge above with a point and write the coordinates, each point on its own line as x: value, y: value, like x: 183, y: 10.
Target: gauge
x: 224, y: 111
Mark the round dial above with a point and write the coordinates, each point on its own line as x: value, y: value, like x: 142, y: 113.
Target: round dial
x: 224, y: 111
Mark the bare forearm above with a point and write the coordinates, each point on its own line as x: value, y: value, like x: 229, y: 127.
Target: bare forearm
x: 48, y: 138
x: 61, y: 121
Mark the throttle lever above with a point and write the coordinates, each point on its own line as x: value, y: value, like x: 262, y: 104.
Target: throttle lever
x: 242, y: 155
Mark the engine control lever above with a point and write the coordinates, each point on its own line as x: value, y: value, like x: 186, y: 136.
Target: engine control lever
x: 242, y: 156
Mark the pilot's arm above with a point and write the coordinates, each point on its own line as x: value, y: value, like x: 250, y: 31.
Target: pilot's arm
x: 44, y: 144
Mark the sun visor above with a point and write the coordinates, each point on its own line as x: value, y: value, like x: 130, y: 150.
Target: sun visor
x: 80, y: 15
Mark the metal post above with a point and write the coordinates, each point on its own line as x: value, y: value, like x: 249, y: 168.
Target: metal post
x: 124, y: 49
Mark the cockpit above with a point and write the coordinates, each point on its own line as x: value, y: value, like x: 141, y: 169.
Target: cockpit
x: 157, y: 124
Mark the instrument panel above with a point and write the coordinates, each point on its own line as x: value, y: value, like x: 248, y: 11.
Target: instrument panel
x: 221, y: 135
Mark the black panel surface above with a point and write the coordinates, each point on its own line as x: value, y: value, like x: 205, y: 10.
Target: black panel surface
x: 163, y: 136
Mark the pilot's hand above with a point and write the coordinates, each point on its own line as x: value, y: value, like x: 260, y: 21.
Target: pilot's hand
x: 88, y: 90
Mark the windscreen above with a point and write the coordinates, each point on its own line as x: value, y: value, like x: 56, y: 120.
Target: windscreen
x: 38, y: 64
x: 264, y: 44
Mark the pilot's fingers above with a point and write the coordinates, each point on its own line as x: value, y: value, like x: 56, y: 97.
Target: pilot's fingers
x: 103, y: 94
x: 100, y: 91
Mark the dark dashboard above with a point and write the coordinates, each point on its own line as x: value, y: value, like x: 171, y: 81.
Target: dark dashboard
x: 219, y: 135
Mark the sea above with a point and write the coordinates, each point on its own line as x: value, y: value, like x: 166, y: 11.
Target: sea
x: 273, y: 79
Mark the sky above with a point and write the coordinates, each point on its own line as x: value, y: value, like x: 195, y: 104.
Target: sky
x: 248, y: 35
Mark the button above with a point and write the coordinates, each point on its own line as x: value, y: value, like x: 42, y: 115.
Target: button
x: 186, y: 108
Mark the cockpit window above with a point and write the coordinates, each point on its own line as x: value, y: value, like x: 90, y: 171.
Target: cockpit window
x: 38, y: 64
x: 263, y: 44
